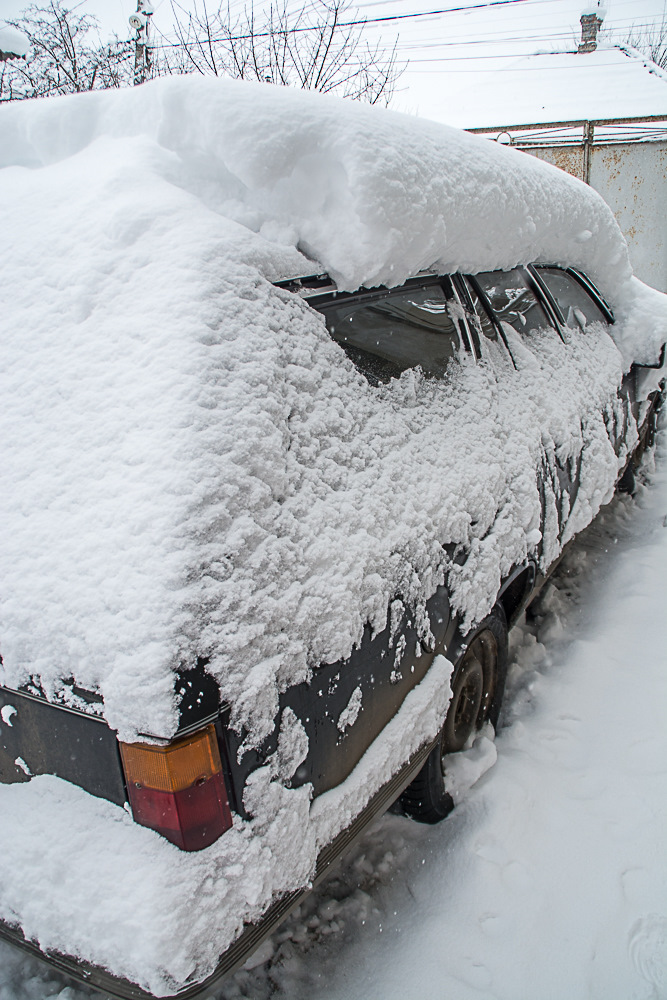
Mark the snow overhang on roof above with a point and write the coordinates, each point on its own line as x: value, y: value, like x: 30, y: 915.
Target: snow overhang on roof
x: 607, y: 84
x: 13, y: 44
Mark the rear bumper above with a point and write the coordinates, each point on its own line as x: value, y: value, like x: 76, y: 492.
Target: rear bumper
x: 42, y: 738
x: 253, y: 934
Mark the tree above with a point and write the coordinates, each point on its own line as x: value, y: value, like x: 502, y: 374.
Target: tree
x: 651, y: 42
x: 318, y: 47
x: 67, y: 55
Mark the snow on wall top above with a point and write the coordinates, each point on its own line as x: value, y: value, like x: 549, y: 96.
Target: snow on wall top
x: 14, y: 42
x: 556, y: 87
x: 190, y: 466
x: 594, y: 8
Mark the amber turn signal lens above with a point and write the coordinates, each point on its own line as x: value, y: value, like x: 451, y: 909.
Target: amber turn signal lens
x: 175, y: 767
x: 179, y: 790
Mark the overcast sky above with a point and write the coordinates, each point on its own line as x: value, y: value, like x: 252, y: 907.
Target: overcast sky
x: 430, y: 45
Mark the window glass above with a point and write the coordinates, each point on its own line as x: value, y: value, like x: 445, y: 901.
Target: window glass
x: 513, y: 300
x: 574, y: 302
x: 389, y: 332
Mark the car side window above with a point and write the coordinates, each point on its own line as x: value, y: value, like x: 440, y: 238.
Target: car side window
x: 576, y: 306
x: 485, y: 324
x: 490, y: 346
x: 513, y: 300
x: 384, y: 333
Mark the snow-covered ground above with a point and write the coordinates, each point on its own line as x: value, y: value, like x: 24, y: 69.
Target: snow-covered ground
x: 549, y: 880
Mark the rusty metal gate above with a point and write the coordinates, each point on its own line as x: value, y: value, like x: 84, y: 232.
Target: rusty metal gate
x: 625, y: 159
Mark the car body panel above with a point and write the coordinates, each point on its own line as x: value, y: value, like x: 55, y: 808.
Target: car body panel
x: 343, y: 707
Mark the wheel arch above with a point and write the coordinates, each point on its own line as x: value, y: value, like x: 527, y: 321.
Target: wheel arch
x: 516, y: 590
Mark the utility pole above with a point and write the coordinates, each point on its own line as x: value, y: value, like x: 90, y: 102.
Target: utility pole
x: 589, y: 136
x: 142, y: 53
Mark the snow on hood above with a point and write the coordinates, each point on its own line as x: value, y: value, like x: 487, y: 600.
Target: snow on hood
x: 191, y: 467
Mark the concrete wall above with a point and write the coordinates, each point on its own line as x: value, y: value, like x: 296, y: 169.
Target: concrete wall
x: 632, y: 178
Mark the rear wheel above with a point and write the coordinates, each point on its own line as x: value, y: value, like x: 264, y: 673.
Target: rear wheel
x: 477, y: 686
x: 627, y: 483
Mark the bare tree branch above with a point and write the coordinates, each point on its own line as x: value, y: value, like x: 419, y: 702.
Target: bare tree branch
x: 649, y: 40
x: 308, y: 48
x: 66, y: 57
x: 313, y: 47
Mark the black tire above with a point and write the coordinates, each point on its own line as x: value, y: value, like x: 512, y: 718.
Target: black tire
x: 477, y: 684
x: 627, y: 482
x: 652, y: 428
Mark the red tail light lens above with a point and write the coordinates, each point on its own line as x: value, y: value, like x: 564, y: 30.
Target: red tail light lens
x: 179, y: 790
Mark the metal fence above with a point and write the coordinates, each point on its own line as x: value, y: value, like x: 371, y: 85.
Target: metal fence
x: 625, y: 159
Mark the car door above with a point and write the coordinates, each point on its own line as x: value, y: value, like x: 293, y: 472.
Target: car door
x: 556, y: 389
x: 577, y: 305
x: 510, y: 304
x: 346, y: 705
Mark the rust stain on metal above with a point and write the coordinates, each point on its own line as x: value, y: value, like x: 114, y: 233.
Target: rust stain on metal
x: 631, y: 176
x: 567, y: 158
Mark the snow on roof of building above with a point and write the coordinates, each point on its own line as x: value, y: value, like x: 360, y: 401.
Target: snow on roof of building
x: 191, y: 467
x: 609, y: 83
x: 13, y: 43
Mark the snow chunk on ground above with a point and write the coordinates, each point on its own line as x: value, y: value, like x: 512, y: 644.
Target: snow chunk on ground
x: 464, y: 769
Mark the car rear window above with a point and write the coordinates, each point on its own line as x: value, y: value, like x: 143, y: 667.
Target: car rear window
x: 388, y: 332
x: 576, y: 305
x: 513, y: 300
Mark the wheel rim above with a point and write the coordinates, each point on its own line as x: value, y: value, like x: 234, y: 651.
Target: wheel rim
x: 472, y: 693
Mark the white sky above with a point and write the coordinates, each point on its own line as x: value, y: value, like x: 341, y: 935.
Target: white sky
x: 432, y: 46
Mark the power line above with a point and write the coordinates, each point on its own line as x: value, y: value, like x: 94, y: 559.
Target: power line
x: 360, y: 22
x: 462, y: 41
x: 480, y: 41
x: 511, y: 69
x: 385, y: 3
x: 541, y: 39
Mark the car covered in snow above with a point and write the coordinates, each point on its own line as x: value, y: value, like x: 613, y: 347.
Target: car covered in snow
x: 302, y: 401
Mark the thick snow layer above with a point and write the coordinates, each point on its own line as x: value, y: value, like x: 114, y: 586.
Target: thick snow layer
x: 374, y: 196
x: 190, y: 466
x: 134, y: 903
x: 550, y: 879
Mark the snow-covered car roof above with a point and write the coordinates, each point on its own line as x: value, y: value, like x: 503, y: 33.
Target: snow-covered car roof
x: 191, y: 467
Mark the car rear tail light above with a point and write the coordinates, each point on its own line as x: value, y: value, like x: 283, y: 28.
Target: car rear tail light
x: 179, y: 790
